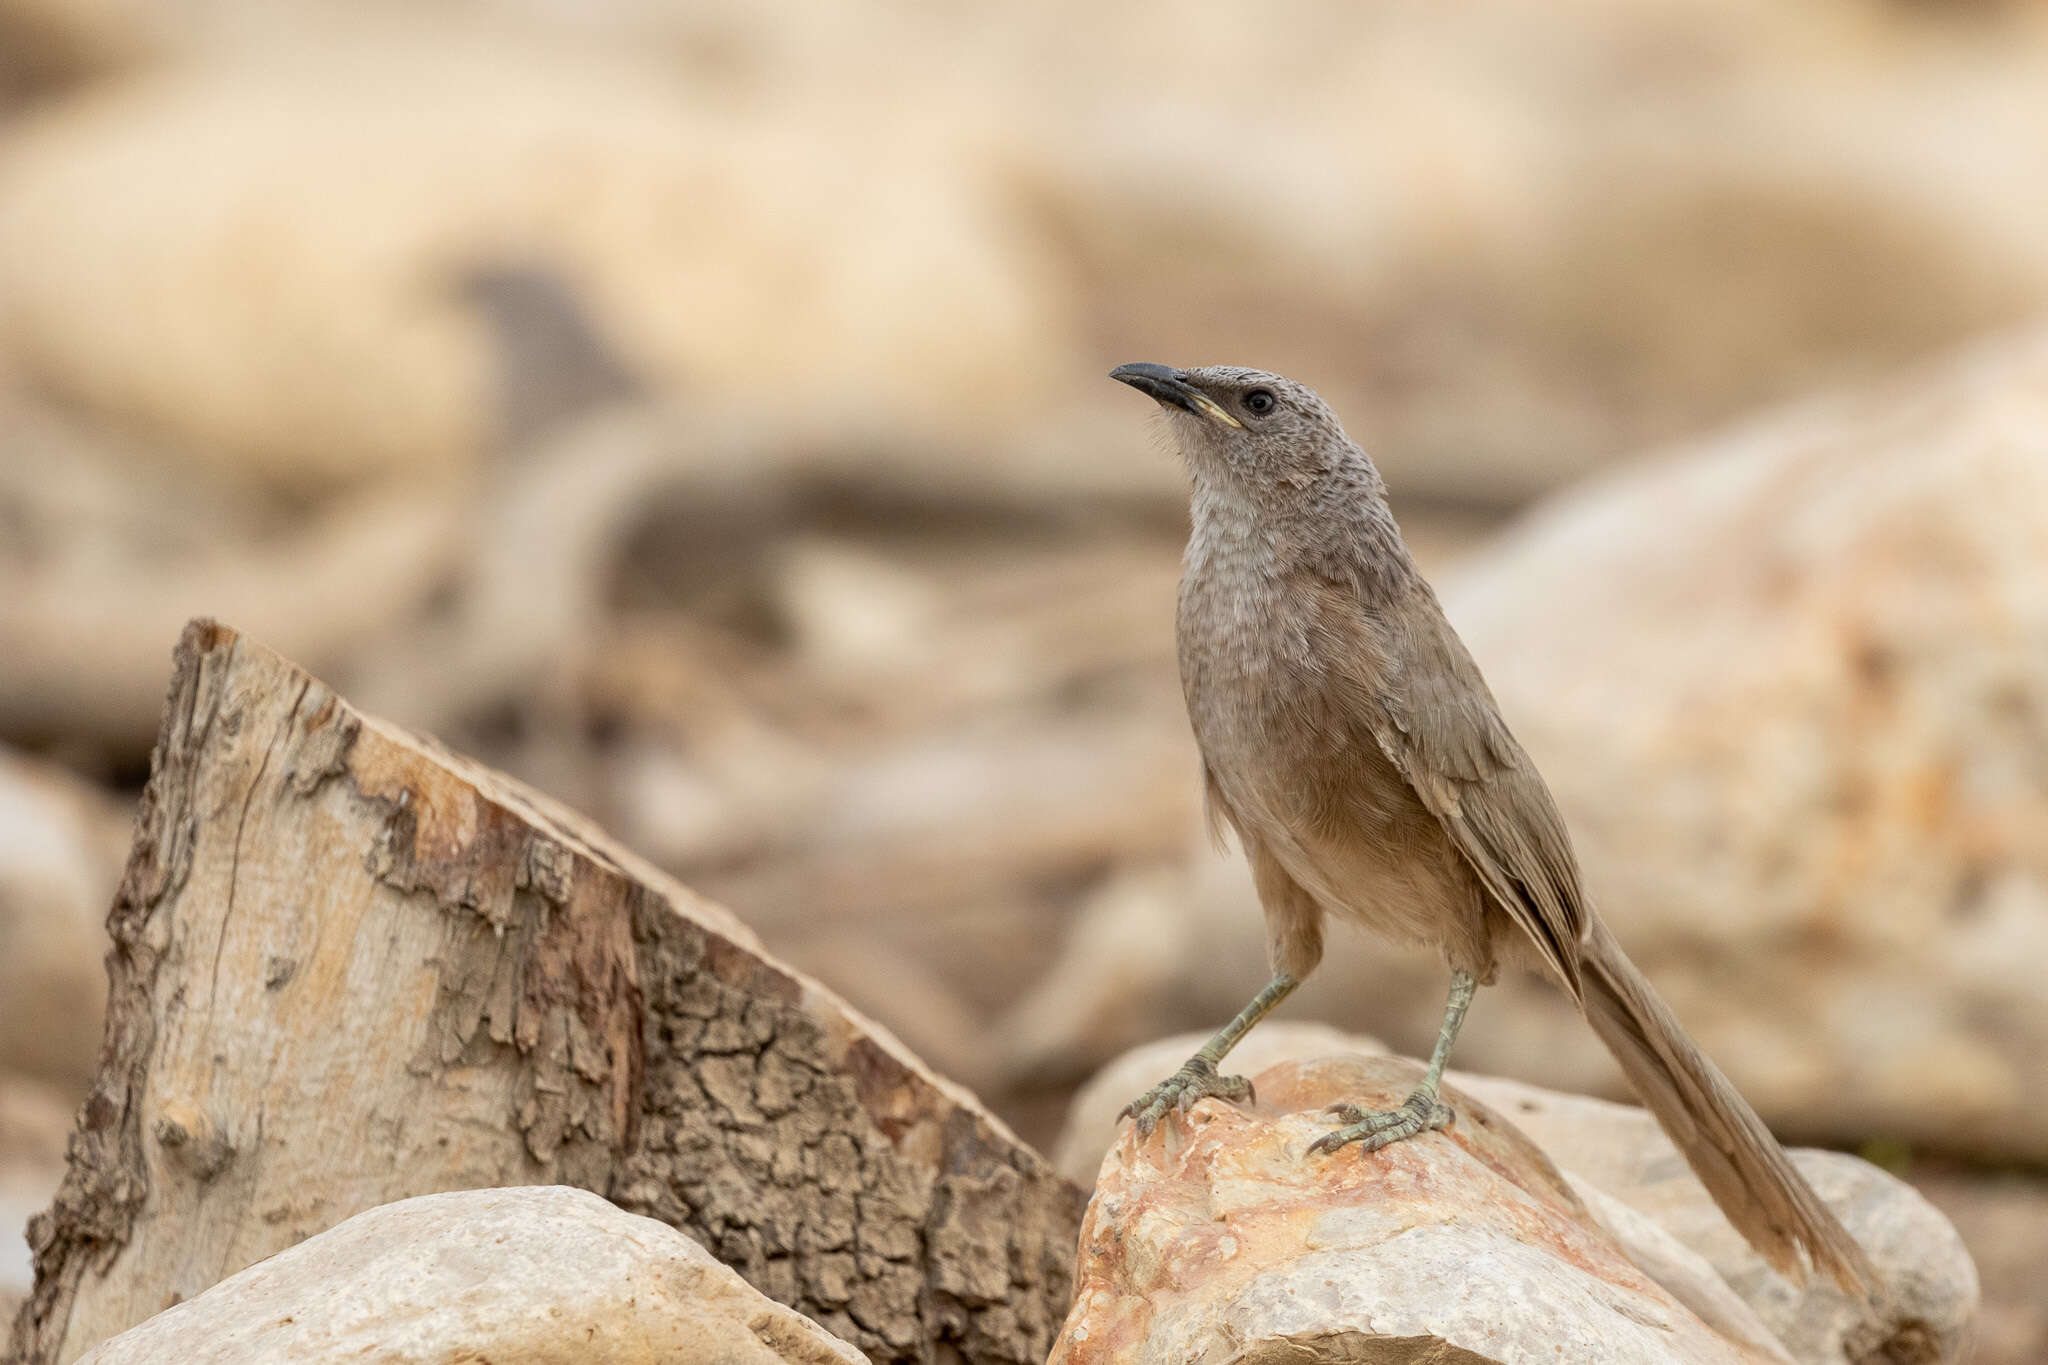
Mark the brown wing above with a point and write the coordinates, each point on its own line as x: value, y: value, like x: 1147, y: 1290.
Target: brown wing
x: 1425, y: 703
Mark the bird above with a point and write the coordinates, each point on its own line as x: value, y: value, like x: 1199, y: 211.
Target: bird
x: 1350, y: 742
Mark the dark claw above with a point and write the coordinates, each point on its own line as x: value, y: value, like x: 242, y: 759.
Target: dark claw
x: 1180, y: 1092
x: 1419, y: 1113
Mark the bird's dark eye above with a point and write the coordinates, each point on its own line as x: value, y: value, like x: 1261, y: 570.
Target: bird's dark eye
x: 1259, y: 402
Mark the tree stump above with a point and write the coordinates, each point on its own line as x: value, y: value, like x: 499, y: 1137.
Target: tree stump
x: 350, y: 967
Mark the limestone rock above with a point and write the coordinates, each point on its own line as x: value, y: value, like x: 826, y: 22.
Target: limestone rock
x: 1220, y: 1239
x: 525, y: 1274
x: 61, y: 847
x: 1637, y: 1188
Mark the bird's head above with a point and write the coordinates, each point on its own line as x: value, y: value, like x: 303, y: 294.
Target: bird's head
x: 1261, y: 431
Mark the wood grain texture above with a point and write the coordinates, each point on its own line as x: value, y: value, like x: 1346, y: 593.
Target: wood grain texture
x: 350, y: 967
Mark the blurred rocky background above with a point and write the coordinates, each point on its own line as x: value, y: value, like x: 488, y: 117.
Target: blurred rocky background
x: 698, y: 411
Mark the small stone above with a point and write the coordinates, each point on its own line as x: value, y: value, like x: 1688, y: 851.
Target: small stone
x: 533, y: 1273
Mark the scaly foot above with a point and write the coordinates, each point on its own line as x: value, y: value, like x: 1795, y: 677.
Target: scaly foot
x: 1373, y: 1129
x: 1197, y: 1080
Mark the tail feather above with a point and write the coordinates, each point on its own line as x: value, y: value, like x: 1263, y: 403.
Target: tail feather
x: 1729, y: 1148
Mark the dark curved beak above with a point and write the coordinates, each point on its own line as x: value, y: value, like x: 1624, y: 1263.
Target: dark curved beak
x: 1169, y: 386
x: 1162, y: 382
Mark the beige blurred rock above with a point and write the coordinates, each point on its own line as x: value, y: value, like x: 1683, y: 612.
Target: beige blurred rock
x: 1217, y: 1240
x: 2003, y: 1219
x: 1517, y: 240
x: 62, y: 846
x: 291, y: 308
x: 1181, y: 944
x: 1521, y: 239
x: 531, y: 1274
x: 1636, y: 1188
x: 1787, y: 685
x: 1128, y: 943
x: 35, y: 1119
x: 113, y: 548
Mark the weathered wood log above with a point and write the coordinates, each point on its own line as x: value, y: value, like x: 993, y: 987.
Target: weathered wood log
x: 349, y: 967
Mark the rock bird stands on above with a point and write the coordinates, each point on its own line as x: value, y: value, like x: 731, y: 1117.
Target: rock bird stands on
x: 1348, y: 738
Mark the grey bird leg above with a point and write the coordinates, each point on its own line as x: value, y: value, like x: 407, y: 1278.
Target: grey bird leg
x: 1421, y: 1111
x: 1197, y: 1078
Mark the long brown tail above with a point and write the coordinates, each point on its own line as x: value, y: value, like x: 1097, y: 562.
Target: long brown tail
x: 1729, y: 1148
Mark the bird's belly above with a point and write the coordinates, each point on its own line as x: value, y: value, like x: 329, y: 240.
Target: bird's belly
x: 1351, y: 831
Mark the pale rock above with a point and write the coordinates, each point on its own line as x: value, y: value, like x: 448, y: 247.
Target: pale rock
x: 1684, y: 1272
x: 1221, y: 1239
x: 517, y: 1276
x: 62, y: 844
x: 1636, y: 1187
x: 1930, y: 1294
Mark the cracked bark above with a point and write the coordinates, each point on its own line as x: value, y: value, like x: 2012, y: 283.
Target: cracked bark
x: 350, y: 967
